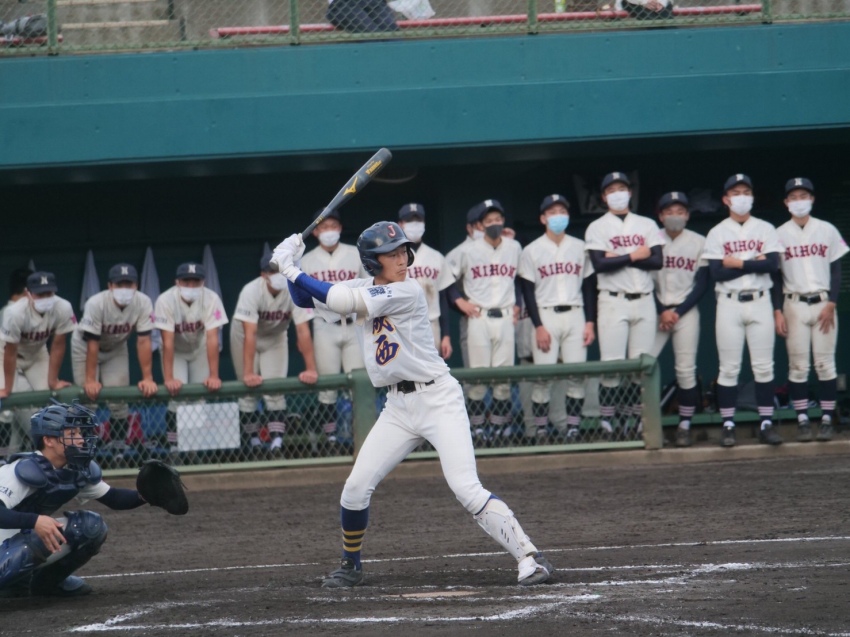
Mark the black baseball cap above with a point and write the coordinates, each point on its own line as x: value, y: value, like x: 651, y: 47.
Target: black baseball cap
x: 799, y: 183
x: 614, y: 177
x: 477, y: 212
x: 191, y: 271
x: 265, y: 260
x: 734, y: 180
x: 668, y: 199
x: 41, y: 282
x: 123, y: 272
x: 409, y: 210
x: 551, y: 200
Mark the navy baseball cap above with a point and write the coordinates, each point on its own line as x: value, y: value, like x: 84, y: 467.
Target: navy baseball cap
x: 614, y: 177
x: 668, y: 199
x: 551, y: 200
x: 477, y: 212
x: 798, y: 183
x: 41, y: 282
x: 409, y: 210
x: 123, y: 272
x: 265, y: 260
x: 191, y: 271
x: 734, y: 180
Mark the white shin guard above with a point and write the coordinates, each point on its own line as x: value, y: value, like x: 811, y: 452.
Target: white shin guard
x: 499, y: 523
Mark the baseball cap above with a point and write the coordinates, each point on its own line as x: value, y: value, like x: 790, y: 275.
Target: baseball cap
x: 734, y: 180
x: 41, y: 282
x: 611, y: 178
x: 190, y: 271
x: 477, y: 212
x: 123, y: 272
x: 409, y: 210
x: 265, y: 260
x: 668, y: 199
x: 551, y: 200
x: 798, y: 183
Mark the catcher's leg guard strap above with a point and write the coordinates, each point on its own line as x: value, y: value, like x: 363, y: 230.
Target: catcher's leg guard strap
x: 85, y: 532
x: 499, y: 523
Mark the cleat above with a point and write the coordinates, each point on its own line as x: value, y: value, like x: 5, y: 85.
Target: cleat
x: 573, y: 435
x: 769, y: 436
x: 804, y: 432
x: 540, y: 572
x: 825, y: 432
x: 71, y: 586
x: 683, y: 437
x: 542, y: 561
x: 346, y: 576
x: 727, y: 438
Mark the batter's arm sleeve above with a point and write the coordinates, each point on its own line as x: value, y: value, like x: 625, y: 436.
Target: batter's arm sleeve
x: 121, y: 499
x: 655, y: 261
x: 589, y: 295
x: 834, y: 280
x: 720, y: 273
x: 701, y: 281
x: 300, y: 297
x: 444, y: 314
x: 527, y: 288
x: 768, y: 265
x: 604, y: 264
x: 10, y: 519
x: 776, y: 290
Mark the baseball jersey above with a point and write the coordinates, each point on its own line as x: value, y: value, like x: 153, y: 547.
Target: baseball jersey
x: 271, y: 314
x: 453, y: 255
x: 682, y: 258
x: 807, y: 253
x: 343, y: 264
x: 623, y: 235
x: 556, y: 269
x: 31, y: 330
x: 113, y: 324
x: 188, y: 322
x: 488, y: 273
x: 433, y: 273
x: 743, y: 241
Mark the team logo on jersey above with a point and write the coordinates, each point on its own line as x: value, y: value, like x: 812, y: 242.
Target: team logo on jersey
x: 385, y: 350
x: 553, y: 269
x: 813, y: 250
x: 6, y: 491
x: 680, y: 263
x: 628, y: 241
x: 380, y: 324
x: 493, y: 269
x: 744, y: 245
x: 379, y: 290
x: 423, y: 272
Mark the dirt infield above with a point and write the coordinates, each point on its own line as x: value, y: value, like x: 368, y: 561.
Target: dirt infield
x: 754, y: 547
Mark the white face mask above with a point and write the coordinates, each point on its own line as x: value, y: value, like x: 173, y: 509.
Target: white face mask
x: 329, y: 238
x: 414, y: 230
x: 618, y: 200
x: 123, y: 296
x: 190, y: 295
x: 800, y: 207
x: 277, y: 281
x: 741, y: 204
x: 477, y: 234
x: 44, y: 305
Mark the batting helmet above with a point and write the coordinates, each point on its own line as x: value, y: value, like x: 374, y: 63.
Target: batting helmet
x: 55, y: 418
x: 380, y: 238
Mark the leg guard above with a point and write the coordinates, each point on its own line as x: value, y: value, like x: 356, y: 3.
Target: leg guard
x: 499, y: 523
x: 85, y: 532
x: 19, y: 555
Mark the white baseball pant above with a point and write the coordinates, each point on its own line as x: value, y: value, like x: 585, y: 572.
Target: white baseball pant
x: 190, y: 367
x: 113, y: 370
x: 336, y: 348
x: 567, y: 332
x: 805, y: 339
x: 685, y: 337
x: 490, y: 341
x: 740, y: 322
x: 626, y: 329
x: 271, y: 360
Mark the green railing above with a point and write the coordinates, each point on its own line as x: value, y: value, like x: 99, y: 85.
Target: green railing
x: 214, y: 432
x: 134, y: 25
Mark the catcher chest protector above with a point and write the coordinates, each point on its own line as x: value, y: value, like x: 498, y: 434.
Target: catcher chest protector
x: 54, y: 487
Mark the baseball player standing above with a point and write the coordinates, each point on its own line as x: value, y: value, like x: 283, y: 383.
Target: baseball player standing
x: 424, y: 401
x: 334, y: 341
x: 260, y: 349
x: 742, y: 253
x: 559, y: 291
x: 433, y: 273
x: 679, y: 286
x: 99, y: 353
x: 624, y: 248
x: 474, y: 231
x: 10, y: 419
x: 810, y: 283
x: 189, y: 316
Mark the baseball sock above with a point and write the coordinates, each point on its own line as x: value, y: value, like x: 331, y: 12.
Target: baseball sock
x: 500, y: 413
x: 354, y: 525
x: 171, y: 429
x: 687, y: 405
x: 573, y: 406
x: 764, y: 400
x: 541, y: 416
x: 476, y: 411
x: 249, y: 422
x: 118, y: 431
x: 828, y: 393
x: 277, y: 426
x: 606, y: 407
x: 799, y: 395
x: 327, y: 419
x: 726, y: 398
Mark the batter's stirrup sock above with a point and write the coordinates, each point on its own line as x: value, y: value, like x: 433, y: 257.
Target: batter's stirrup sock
x: 500, y: 413
x: 828, y: 390
x: 573, y: 406
x: 277, y: 423
x: 327, y: 419
x: 764, y: 400
x: 171, y: 428
x: 607, y: 408
x: 799, y: 395
x: 688, y: 399
x: 476, y: 411
x: 354, y: 525
x: 726, y: 399
x: 540, y: 412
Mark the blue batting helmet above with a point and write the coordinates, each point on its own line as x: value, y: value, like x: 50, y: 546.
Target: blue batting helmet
x: 56, y: 417
x: 380, y: 238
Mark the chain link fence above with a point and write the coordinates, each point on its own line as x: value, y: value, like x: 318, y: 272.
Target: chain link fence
x: 90, y: 25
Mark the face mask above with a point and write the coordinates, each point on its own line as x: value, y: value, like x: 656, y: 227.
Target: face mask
x: 123, y: 296
x: 557, y: 223
x: 414, y: 230
x: 44, y: 305
x: 741, y: 204
x: 618, y: 200
x: 675, y: 223
x: 477, y: 234
x: 278, y: 281
x: 800, y: 207
x: 190, y: 294
x: 494, y: 231
x: 329, y: 238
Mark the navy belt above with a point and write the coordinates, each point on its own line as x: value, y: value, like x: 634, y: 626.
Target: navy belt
x: 495, y: 313
x: 745, y: 297
x: 347, y: 321
x: 563, y: 308
x: 409, y: 386
x: 629, y: 296
x: 809, y: 299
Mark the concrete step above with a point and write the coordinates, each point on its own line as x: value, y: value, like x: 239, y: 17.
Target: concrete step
x: 112, y: 34
x: 84, y: 11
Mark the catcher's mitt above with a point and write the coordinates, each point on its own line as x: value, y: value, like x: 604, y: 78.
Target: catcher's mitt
x: 160, y: 486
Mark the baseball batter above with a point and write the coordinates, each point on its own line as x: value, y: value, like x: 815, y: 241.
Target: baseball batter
x: 260, y: 349
x: 679, y: 286
x: 189, y: 316
x: 804, y: 304
x: 487, y: 269
x: 742, y: 252
x: 334, y: 341
x: 424, y: 402
x: 99, y: 352
x: 558, y: 287
x: 624, y: 248
x: 433, y: 273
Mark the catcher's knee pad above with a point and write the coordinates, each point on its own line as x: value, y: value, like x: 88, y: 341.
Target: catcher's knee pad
x: 19, y: 555
x: 499, y: 523
x: 85, y: 531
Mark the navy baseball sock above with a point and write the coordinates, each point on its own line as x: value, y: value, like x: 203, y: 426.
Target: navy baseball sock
x: 764, y: 400
x: 540, y: 411
x: 573, y: 406
x: 828, y: 393
x: 476, y: 411
x: 354, y: 525
x: 688, y: 399
x: 327, y: 419
x: 726, y: 399
x: 799, y: 395
x: 606, y: 403
x: 500, y: 413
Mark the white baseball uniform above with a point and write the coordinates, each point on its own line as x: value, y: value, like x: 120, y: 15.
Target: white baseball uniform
x: 740, y: 320
x: 431, y: 270
x: 807, y: 254
x: 272, y: 314
x: 673, y: 283
x: 453, y: 260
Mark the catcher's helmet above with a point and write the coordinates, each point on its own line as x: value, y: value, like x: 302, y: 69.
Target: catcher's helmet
x: 380, y: 238
x: 56, y: 417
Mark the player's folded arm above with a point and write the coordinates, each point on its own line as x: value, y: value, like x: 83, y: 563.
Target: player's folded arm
x: 604, y: 264
x: 654, y: 261
x: 721, y: 273
x: 768, y: 265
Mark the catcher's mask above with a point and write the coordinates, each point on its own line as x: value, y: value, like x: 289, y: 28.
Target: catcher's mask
x: 56, y: 418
